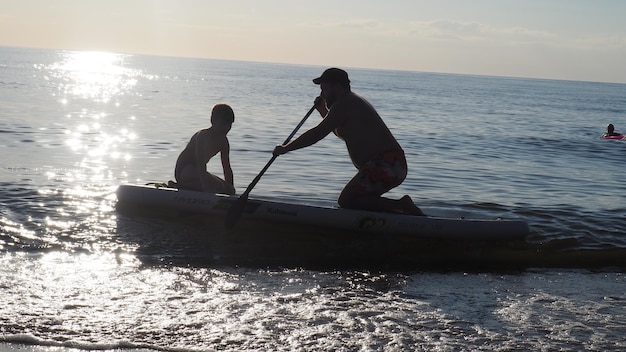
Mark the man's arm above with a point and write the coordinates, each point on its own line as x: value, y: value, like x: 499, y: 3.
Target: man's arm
x: 312, y: 136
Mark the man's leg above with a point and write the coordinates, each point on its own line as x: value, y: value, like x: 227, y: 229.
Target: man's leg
x: 354, y: 196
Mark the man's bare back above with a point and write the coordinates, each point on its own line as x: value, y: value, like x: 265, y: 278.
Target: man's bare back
x: 362, y: 129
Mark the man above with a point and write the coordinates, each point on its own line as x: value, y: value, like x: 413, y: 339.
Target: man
x: 610, y: 131
x: 191, y: 164
x: 371, y: 146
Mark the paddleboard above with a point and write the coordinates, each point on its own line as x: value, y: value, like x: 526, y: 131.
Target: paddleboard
x: 278, y: 215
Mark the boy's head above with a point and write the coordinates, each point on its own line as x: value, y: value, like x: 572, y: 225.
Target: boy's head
x: 222, y: 113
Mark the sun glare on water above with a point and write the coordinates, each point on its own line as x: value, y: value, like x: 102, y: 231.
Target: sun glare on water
x: 89, y: 87
x: 94, y: 122
x: 98, y: 76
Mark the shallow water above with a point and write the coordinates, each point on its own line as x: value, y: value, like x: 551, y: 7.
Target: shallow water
x: 77, y: 273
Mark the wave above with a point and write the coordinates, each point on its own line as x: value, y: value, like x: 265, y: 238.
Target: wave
x: 31, y: 340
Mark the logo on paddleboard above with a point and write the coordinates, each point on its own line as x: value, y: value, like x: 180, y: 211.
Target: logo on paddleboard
x: 225, y: 204
x: 192, y: 200
x: 282, y: 211
x: 371, y: 223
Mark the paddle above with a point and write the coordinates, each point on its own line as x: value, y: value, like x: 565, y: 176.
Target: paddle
x: 237, y: 209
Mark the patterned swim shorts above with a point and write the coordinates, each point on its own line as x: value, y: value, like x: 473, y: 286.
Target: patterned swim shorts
x: 382, y: 173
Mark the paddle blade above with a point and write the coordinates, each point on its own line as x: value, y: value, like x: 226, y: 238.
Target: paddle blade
x: 235, y: 211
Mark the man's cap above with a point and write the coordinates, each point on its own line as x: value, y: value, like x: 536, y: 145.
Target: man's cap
x: 332, y: 75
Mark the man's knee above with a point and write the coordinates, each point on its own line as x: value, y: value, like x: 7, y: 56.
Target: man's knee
x: 347, y: 201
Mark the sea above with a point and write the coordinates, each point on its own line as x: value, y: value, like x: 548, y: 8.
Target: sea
x: 78, y: 274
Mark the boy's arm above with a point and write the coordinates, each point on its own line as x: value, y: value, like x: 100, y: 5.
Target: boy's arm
x: 228, y: 171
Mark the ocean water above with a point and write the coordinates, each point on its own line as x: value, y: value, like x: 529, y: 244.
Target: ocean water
x: 77, y: 273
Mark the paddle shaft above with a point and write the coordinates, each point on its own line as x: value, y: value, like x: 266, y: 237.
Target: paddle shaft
x: 258, y: 177
x: 236, y: 210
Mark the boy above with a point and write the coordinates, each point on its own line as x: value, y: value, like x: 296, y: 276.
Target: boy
x: 191, y: 164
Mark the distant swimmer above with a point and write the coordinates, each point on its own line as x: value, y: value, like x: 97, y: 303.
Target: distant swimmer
x: 610, y: 131
x: 611, y: 134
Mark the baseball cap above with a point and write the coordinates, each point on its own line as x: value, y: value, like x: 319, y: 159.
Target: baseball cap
x: 332, y: 75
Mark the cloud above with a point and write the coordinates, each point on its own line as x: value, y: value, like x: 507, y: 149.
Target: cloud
x: 604, y: 42
x: 451, y: 32
x: 436, y: 30
x: 476, y: 32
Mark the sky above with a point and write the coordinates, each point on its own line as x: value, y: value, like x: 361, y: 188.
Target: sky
x: 581, y: 40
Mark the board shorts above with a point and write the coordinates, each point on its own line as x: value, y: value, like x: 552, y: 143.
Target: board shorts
x: 382, y: 173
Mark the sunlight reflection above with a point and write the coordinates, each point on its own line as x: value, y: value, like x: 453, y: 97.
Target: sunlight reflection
x: 105, y: 144
x: 91, y: 268
x: 90, y: 89
x: 11, y: 228
x: 97, y: 76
